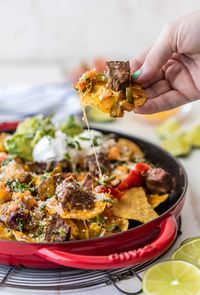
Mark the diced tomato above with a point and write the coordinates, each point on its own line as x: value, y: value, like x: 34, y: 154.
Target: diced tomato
x: 133, y: 179
x: 3, y: 156
x: 142, y: 167
x: 114, y: 192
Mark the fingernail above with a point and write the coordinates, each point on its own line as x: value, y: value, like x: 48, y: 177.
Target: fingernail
x: 136, y: 74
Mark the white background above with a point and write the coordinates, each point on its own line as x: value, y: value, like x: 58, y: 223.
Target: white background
x: 38, y: 36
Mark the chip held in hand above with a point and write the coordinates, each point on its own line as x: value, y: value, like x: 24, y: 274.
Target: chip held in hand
x: 113, y: 92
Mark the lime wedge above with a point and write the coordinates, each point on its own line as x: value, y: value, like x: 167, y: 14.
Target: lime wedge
x: 189, y: 251
x: 193, y: 136
x: 177, y: 145
x: 172, y: 278
x: 189, y: 240
x: 169, y: 128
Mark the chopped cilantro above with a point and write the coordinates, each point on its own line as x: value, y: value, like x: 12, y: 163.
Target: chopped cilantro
x: 95, y: 140
x: 67, y: 157
x: 20, y: 224
x: 71, y: 144
x: 84, y: 138
x: 43, y: 177
x: 78, y: 145
x: 100, y: 219
x: 17, y: 186
x: 43, y: 207
x: 49, y: 196
x: 62, y: 232
x: 6, y: 161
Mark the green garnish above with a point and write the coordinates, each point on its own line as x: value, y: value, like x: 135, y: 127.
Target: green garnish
x: 67, y: 157
x: 100, y: 219
x: 95, y: 140
x: 17, y: 186
x: 84, y: 138
x: 71, y: 127
x: 62, y: 232
x: 78, y: 145
x: 6, y: 162
x: 20, y: 224
x: 43, y: 207
x: 49, y: 196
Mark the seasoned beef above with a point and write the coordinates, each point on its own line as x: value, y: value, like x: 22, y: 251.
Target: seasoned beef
x: 118, y: 73
x: 36, y: 167
x: 57, y: 230
x: 72, y: 193
x: 87, y: 182
x: 40, y: 168
x: 19, y: 219
x: 159, y: 181
x: 91, y: 163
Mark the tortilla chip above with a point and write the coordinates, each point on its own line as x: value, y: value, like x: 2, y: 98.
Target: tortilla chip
x: 21, y: 237
x: 82, y: 214
x: 96, y: 93
x: 139, y: 95
x: 114, y: 221
x: 129, y: 148
x: 155, y: 200
x: 134, y: 205
x: 5, y: 233
x: 101, y: 98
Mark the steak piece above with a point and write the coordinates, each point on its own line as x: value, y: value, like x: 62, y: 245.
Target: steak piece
x: 159, y: 181
x: 88, y: 182
x: 118, y: 73
x: 19, y: 219
x: 40, y: 168
x: 91, y: 163
x: 57, y: 230
x: 71, y: 193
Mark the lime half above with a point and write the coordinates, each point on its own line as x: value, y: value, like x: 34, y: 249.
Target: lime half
x: 174, y: 277
x: 189, y: 251
x: 190, y: 240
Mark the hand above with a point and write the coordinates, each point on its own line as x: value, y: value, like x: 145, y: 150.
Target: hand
x: 170, y: 69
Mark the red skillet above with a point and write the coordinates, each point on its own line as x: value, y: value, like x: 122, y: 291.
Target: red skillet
x: 134, y: 246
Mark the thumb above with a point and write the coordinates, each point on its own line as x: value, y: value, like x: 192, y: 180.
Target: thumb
x: 157, y: 56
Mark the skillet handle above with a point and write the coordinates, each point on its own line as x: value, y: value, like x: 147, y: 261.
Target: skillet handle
x: 166, y: 237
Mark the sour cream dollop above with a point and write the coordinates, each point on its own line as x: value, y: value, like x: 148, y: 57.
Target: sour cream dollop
x: 50, y: 149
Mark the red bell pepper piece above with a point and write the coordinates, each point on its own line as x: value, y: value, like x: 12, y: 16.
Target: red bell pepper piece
x: 114, y: 192
x: 142, y: 167
x: 133, y: 179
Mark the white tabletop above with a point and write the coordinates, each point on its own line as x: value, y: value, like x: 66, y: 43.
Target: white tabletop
x: 133, y: 125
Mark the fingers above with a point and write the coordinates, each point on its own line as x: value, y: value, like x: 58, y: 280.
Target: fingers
x: 158, y: 55
x: 159, y: 76
x: 157, y: 89
x: 163, y: 102
x: 138, y: 61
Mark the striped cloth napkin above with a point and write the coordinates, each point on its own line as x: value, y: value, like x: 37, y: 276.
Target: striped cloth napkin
x: 18, y: 102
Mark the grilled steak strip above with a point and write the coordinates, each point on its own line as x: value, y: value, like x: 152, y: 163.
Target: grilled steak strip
x: 159, y: 181
x: 72, y: 193
x: 118, y: 73
x: 57, y: 230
